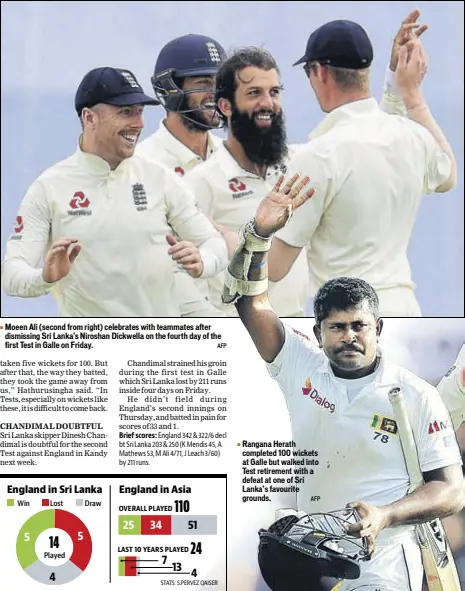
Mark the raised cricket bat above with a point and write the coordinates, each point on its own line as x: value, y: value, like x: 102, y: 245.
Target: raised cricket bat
x: 438, y: 562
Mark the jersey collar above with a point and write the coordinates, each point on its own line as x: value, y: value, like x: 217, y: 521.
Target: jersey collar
x: 232, y: 168
x: 180, y: 150
x: 343, y: 113
x: 95, y: 164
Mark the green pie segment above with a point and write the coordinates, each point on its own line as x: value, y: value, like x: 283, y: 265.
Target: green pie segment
x: 53, y: 575
x: 26, y: 540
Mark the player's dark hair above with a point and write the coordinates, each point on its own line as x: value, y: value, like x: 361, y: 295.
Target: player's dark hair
x: 228, y: 76
x: 343, y: 293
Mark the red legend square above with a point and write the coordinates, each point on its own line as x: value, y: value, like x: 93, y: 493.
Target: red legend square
x: 45, y: 502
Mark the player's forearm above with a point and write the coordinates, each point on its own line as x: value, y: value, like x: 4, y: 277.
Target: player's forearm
x: 229, y: 236
x: 257, y: 315
x: 263, y: 325
x: 430, y: 501
x: 419, y: 111
x: 214, y: 253
x: 392, y: 101
x: 281, y: 258
x: 20, y: 279
x: 246, y: 286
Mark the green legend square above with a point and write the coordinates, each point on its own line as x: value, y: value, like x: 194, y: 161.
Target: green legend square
x: 10, y: 502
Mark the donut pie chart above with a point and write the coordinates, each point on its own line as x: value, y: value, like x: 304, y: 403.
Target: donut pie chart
x: 56, y: 556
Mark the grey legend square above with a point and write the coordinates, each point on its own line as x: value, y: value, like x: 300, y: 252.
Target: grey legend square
x: 79, y: 502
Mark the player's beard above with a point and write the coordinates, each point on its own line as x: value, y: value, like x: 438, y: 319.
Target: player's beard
x: 264, y: 146
x: 195, y: 120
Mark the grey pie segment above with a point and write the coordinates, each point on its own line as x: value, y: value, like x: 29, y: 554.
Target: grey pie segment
x: 62, y: 574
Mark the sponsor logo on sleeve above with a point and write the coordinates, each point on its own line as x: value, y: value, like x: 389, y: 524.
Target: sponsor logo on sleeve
x: 19, y: 224
x: 315, y: 397
x: 18, y: 229
x: 79, y: 204
x: 301, y: 334
x: 438, y: 426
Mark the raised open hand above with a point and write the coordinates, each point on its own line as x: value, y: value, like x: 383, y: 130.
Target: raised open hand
x: 409, y: 29
x: 277, y: 207
x: 411, y: 69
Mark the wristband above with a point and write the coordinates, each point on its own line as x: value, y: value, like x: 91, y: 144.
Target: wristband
x: 237, y: 282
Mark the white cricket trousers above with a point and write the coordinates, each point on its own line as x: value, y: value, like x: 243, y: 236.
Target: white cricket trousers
x: 396, y: 566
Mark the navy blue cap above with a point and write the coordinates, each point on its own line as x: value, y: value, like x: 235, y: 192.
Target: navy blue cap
x: 112, y: 86
x: 343, y: 44
x: 190, y: 55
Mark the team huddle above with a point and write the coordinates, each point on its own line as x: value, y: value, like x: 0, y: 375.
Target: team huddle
x: 144, y: 230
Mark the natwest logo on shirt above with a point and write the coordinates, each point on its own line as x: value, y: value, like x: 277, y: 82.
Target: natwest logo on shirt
x: 79, y: 204
x: 18, y: 228
x: 236, y: 185
x: 238, y: 188
x: 19, y: 224
x: 314, y: 395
